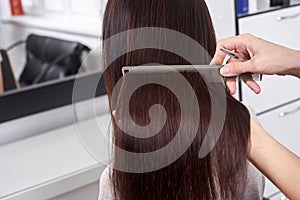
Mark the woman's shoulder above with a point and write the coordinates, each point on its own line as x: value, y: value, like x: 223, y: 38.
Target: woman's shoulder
x: 106, y: 190
x: 255, y: 183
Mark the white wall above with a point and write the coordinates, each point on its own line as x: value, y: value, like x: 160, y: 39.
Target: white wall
x: 223, y: 16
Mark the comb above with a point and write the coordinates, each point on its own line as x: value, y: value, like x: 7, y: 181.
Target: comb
x: 209, y: 72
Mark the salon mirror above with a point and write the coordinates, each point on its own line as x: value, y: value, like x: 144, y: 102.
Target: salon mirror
x: 50, y: 85
x: 40, y: 59
x: 42, y: 96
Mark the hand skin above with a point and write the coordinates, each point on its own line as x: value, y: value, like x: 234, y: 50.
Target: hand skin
x: 275, y: 161
x: 258, y: 56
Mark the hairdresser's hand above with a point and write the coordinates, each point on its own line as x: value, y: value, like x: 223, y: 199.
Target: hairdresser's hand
x: 258, y: 56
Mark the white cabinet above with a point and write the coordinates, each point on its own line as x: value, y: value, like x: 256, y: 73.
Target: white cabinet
x: 279, y: 102
x: 284, y: 125
x: 281, y: 27
x: 276, y: 91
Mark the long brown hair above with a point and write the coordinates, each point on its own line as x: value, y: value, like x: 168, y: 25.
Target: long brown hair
x: 222, y: 173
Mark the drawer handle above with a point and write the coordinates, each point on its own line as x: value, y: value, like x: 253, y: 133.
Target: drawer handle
x: 281, y: 18
x: 284, y: 114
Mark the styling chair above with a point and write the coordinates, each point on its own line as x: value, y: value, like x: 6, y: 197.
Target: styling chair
x: 49, y: 58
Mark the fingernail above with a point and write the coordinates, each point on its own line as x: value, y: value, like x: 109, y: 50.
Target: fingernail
x: 224, y: 71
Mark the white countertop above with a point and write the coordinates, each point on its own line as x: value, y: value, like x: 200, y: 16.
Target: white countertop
x: 54, y: 162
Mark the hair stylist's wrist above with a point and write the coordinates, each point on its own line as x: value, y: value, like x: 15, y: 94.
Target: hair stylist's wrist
x: 295, y: 70
x: 256, y: 140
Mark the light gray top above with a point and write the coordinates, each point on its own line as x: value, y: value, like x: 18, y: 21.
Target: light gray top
x: 254, y: 191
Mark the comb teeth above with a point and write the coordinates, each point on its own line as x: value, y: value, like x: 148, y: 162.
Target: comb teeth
x: 169, y: 68
x: 209, y: 72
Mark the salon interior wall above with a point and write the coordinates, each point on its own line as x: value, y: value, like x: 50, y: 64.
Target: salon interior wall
x: 223, y: 17
x: 11, y: 31
x: 14, y: 30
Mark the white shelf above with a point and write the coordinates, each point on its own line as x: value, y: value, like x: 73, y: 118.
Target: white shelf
x: 88, y: 26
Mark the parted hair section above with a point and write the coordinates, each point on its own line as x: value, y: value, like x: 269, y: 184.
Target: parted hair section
x: 222, y: 173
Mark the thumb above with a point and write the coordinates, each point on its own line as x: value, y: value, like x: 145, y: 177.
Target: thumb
x: 236, y: 68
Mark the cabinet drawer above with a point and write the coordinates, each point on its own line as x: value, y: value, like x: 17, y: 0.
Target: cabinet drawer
x: 276, y: 90
x: 281, y: 27
x: 284, y: 125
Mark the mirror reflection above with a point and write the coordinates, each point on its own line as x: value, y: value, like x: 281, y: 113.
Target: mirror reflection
x: 47, y: 59
x: 48, y: 41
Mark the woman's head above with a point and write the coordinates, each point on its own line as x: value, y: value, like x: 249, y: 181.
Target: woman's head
x: 190, y: 17
x: 221, y: 174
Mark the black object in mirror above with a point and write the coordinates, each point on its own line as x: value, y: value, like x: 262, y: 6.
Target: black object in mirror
x: 50, y: 58
x: 279, y: 2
